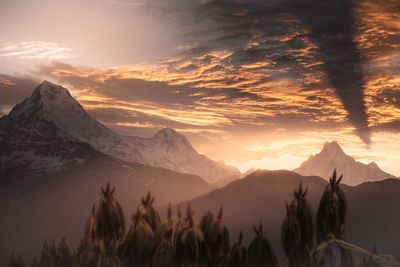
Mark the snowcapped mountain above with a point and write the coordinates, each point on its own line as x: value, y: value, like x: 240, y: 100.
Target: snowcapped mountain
x: 51, y: 106
x: 332, y: 157
x: 30, y: 143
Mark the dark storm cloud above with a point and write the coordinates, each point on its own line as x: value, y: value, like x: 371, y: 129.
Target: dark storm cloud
x: 280, y: 30
x: 393, y: 126
x: 133, y: 104
x: 131, y: 89
x: 388, y: 97
x: 331, y: 27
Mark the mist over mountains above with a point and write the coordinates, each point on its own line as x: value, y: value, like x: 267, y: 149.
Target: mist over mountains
x: 372, y: 215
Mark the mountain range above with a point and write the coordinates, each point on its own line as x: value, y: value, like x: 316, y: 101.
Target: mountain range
x: 332, y: 157
x: 54, y: 158
x: 50, y: 131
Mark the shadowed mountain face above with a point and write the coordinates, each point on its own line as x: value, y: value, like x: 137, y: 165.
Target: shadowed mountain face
x: 332, y: 157
x: 51, y: 116
x: 372, y: 218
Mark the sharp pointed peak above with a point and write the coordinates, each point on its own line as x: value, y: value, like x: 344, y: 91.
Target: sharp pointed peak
x: 49, y: 89
x: 49, y: 100
x: 332, y: 147
x: 48, y: 83
x: 373, y: 165
x: 166, y: 132
x: 332, y: 144
x: 170, y: 133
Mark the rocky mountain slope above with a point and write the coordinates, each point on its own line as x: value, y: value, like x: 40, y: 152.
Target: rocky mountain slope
x: 332, y: 156
x: 52, y: 106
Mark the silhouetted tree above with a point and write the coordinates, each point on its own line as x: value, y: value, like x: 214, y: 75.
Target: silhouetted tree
x: 165, y: 239
x: 109, y: 219
x: 260, y: 252
x: 331, y: 216
x: 238, y: 254
x: 149, y: 213
x: 151, y: 242
x: 332, y: 209
x: 189, y: 241
x: 291, y: 234
x: 216, y: 246
x: 138, y: 246
x: 16, y: 261
x: 298, y: 232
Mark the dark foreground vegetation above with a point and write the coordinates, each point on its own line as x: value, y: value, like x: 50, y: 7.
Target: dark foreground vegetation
x: 308, y: 239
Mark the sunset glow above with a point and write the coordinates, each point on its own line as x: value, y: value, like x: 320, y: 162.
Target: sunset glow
x: 252, y: 95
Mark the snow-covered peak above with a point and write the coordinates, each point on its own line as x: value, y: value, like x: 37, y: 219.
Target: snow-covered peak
x: 332, y: 148
x: 54, y: 103
x: 169, y: 136
x: 47, y: 102
x: 333, y: 157
x: 56, y: 98
x: 166, y: 133
x: 51, y: 91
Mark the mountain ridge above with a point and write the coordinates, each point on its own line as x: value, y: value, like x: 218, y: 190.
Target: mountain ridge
x: 261, y: 196
x: 169, y: 149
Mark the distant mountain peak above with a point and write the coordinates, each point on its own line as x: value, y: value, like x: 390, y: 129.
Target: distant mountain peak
x: 332, y: 147
x: 333, y: 157
x: 166, y: 133
x: 373, y: 165
x: 170, y: 135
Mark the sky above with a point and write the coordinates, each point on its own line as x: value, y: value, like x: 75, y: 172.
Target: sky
x: 253, y: 83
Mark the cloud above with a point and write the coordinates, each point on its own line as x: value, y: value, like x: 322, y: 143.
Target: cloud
x: 391, y: 127
x: 215, y: 107
x: 35, y: 50
x: 127, y: 3
x: 332, y: 28
x: 196, y: 102
x: 318, y: 45
x: 389, y: 97
x: 245, y: 129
